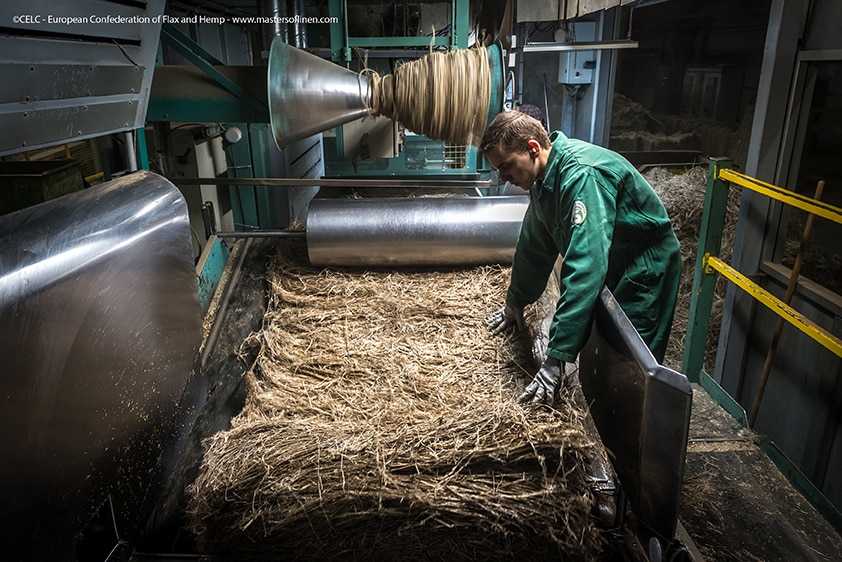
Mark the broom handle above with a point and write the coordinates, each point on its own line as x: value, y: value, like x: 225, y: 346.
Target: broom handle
x: 790, y: 291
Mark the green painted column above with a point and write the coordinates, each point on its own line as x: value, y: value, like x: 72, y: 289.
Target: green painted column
x: 244, y: 202
x: 339, y: 51
x: 710, y: 242
x: 142, y: 151
x: 461, y: 24
x: 265, y: 195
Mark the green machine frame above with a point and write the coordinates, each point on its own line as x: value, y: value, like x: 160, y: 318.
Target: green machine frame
x: 341, y: 43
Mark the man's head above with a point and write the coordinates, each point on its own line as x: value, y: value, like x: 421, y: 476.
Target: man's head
x: 517, y: 146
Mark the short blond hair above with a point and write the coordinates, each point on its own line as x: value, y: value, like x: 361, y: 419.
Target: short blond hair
x: 514, y: 130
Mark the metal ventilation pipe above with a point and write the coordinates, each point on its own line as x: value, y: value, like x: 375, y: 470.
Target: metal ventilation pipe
x: 293, y: 33
x: 276, y: 10
x: 299, y: 29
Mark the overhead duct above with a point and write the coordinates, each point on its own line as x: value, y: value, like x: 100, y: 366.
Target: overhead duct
x: 274, y: 11
x: 299, y: 28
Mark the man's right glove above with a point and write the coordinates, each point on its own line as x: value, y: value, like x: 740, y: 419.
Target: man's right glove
x: 545, y: 386
x: 501, y: 320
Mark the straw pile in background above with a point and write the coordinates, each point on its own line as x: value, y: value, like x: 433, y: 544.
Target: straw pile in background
x: 683, y: 195
x: 382, y: 423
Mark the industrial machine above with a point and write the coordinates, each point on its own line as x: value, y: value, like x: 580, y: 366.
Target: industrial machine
x: 100, y: 323
x: 123, y: 305
x: 115, y: 388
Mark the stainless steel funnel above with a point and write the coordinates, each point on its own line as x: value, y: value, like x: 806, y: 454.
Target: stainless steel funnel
x: 308, y: 94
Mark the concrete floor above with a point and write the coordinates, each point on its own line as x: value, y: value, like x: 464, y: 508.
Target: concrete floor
x: 737, y: 505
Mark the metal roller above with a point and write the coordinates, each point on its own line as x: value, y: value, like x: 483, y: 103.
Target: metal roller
x: 99, y: 327
x: 414, y: 231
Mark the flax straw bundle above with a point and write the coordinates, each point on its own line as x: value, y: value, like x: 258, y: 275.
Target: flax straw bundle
x: 382, y: 423
x: 444, y: 96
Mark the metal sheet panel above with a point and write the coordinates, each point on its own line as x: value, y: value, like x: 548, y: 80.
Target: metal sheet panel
x: 642, y: 411
x: 99, y: 328
x: 42, y: 123
x: 55, y: 81
x: 74, y: 62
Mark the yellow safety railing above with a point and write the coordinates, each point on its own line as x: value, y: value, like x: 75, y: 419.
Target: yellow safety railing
x: 720, y: 177
x: 777, y: 306
x: 783, y: 195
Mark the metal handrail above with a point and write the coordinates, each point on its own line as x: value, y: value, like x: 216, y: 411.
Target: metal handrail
x: 776, y: 305
x: 720, y: 175
x: 786, y: 196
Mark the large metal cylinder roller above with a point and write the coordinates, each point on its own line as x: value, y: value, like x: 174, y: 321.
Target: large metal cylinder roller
x: 99, y: 328
x: 414, y: 231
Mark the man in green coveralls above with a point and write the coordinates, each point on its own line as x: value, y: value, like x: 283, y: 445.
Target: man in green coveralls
x: 592, y: 207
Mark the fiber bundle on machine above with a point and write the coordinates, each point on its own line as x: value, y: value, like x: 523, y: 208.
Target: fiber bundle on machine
x: 382, y: 422
x: 444, y: 96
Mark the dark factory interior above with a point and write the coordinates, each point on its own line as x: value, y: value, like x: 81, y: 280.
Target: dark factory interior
x: 272, y: 284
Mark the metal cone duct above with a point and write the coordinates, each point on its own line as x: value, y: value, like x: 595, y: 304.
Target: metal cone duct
x: 309, y: 95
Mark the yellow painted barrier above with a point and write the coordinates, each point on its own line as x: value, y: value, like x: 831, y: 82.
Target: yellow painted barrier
x: 828, y: 340
x: 780, y: 194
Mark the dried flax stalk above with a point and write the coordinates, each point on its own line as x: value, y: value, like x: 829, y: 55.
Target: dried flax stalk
x: 382, y: 423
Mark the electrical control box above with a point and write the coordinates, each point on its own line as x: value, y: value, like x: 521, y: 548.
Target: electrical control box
x: 575, y: 66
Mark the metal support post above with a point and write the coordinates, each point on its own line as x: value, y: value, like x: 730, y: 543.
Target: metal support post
x: 339, y: 51
x: 710, y: 241
x: 142, y: 151
x: 243, y: 197
x: 460, y: 24
x: 131, y: 155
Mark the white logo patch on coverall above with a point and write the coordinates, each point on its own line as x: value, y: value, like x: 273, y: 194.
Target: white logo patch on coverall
x: 579, y: 213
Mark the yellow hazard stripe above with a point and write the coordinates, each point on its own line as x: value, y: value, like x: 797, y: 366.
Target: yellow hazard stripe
x: 784, y: 195
x: 825, y: 338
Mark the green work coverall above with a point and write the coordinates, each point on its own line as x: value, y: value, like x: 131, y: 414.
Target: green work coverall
x: 596, y: 211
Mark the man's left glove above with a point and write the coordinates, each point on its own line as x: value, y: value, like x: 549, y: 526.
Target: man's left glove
x: 544, y: 387
x: 501, y: 320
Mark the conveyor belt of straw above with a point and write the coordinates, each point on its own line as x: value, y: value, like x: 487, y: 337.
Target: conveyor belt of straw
x: 382, y: 422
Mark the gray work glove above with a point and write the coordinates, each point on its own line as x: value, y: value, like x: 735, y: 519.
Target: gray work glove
x: 501, y: 320
x: 544, y: 387
x: 539, y: 349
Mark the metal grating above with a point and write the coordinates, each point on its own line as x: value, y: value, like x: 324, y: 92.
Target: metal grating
x: 455, y: 156
x: 435, y: 156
